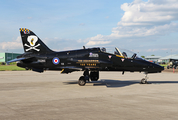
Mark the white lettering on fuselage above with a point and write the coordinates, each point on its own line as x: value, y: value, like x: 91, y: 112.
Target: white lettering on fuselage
x: 41, y: 60
x: 93, y: 55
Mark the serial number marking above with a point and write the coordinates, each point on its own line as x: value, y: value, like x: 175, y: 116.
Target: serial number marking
x: 40, y: 60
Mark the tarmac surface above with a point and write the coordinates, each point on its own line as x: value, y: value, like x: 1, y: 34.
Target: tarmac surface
x: 27, y: 95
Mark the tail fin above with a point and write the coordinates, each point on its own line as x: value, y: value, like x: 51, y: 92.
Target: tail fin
x: 32, y: 43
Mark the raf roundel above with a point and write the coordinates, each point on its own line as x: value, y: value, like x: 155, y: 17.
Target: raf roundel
x: 56, y: 60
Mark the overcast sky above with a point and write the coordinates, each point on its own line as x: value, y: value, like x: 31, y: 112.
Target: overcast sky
x: 144, y: 26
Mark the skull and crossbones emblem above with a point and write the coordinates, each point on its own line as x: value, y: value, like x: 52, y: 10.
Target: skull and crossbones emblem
x: 32, y: 40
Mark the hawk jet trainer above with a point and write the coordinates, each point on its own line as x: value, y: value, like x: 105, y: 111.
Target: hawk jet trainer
x: 38, y: 57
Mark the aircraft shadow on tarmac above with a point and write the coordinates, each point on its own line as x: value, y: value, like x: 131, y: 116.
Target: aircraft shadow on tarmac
x: 115, y: 83
x: 118, y: 83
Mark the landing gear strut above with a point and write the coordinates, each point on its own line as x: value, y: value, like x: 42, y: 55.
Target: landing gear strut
x: 94, y: 76
x: 144, y: 80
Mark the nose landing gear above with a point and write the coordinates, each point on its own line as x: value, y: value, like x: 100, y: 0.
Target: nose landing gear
x: 144, y: 80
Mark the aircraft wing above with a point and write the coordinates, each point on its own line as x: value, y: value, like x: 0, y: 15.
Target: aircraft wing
x: 69, y: 69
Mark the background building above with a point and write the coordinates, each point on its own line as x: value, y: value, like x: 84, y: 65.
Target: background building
x: 4, y: 57
x: 169, y: 58
x: 153, y: 58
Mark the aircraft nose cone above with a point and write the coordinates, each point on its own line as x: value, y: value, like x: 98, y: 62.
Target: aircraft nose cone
x: 158, y: 68
x: 161, y: 68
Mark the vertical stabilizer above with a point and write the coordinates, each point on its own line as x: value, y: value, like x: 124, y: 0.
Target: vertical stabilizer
x: 32, y: 42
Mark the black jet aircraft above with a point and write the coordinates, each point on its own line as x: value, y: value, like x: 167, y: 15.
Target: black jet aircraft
x: 38, y: 57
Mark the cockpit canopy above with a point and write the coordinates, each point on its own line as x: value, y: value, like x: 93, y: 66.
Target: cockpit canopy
x: 123, y: 53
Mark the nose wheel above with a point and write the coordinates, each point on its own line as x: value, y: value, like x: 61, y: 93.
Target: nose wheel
x: 144, y: 80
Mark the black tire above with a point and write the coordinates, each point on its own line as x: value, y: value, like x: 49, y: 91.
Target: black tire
x: 167, y: 67
x: 82, y: 81
x: 94, y: 76
x: 143, y: 81
x: 26, y: 68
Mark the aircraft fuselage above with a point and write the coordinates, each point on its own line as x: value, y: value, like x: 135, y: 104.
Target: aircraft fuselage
x: 92, y: 59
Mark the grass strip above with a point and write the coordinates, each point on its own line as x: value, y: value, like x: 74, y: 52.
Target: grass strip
x: 10, y: 68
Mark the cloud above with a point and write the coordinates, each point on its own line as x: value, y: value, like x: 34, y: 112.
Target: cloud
x: 81, y: 24
x: 97, y: 40
x: 55, y: 43
x: 130, y: 31
x: 141, y: 21
x: 149, y: 13
x: 91, y: 43
x: 16, y: 44
x: 60, y: 44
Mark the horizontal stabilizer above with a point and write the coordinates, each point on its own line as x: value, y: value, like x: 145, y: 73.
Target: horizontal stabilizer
x: 15, y: 60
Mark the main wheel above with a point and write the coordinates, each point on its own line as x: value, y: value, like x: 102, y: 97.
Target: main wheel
x: 82, y: 81
x: 94, y: 76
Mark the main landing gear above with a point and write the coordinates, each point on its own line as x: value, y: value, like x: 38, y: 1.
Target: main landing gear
x: 93, y: 76
x: 144, y: 80
x: 82, y: 81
